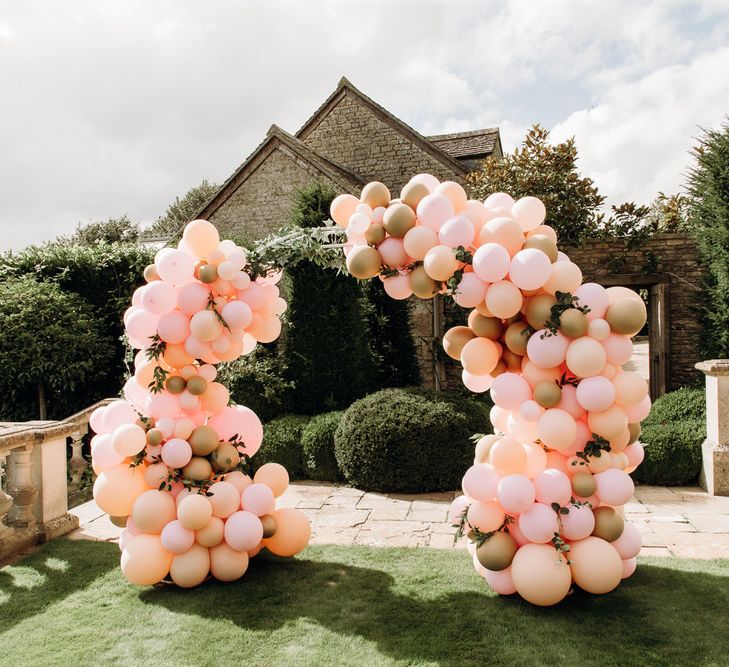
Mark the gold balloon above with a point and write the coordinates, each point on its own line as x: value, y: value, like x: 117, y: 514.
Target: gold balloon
x: 364, y: 262
x: 626, y: 316
x: 635, y: 431
x: 543, y: 243
x: 175, y: 384
x: 500, y: 368
x: 375, y: 194
x: 483, y: 447
x: 515, y: 338
x: 399, y: 219
x: 412, y: 193
x: 485, y: 327
x: 584, y: 484
x: 609, y: 524
x: 203, y: 440
x: 454, y: 339
x: 208, y: 273
x: 198, y: 469
x: 225, y: 457
x: 573, y: 323
x: 539, y: 310
x: 547, y: 394
x: 422, y: 284
x: 269, y: 525
x: 375, y: 234
x: 154, y: 437
x: 197, y: 385
x: 497, y: 552
x: 119, y: 521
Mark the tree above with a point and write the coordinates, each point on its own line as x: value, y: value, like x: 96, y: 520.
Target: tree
x: 51, y: 343
x: 547, y: 171
x: 113, y: 230
x: 708, y: 187
x: 182, y: 210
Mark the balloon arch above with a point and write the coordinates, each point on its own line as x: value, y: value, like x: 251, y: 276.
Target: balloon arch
x: 542, y: 503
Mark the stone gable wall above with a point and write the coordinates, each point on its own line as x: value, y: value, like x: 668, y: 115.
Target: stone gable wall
x: 352, y: 136
x: 263, y: 202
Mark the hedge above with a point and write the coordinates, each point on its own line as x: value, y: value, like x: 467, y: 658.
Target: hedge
x: 408, y: 440
x: 317, y: 443
x: 282, y: 444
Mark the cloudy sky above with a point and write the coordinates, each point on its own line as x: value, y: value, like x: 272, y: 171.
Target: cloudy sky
x: 118, y: 106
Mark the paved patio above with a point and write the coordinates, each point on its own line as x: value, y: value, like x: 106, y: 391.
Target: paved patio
x: 679, y: 521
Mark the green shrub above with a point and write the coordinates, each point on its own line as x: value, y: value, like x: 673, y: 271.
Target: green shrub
x: 282, y: 444
x: 672, y: 453
x: 408, y: 440
x: 53, y: 348
x: 687, y: 403
x: 317, y: 443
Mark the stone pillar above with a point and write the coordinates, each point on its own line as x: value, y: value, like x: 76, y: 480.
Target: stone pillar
x: 21, y: 487
x: 715, y: 449
x: 6, y: 501
x: 78, y: 463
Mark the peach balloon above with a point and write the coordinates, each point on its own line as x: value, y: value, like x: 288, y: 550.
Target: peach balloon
x: 190, y: 568
x: 618, y: 349
x: 292, y: 534
x: 342, y: 208
x: 540, y: 574
x: 454, y: 192
x: 630, y: 388
x: 504, y: 299
x: 479, y: 356
x: 419, y: 240
x: 200, y: 237
x: 145, y: 561
x: 129, y: 439
x: 565, y: 277
x: 476, y: 383
x: 557, y: 429
x: 116, y: 489
x: 470, y: 292
x: 501, y: 581
x: 393, y: 252
x: 507, y: 456
x: 629, y: 543
x: 529, y: 212
x: 536, y: 460
x: 224, y: 498
x: 433, y: 210
x: 553, y: 486
x: 596, y: 566
x: 273, y: 475
x: 226, y: 564
x: 440, y: 263
x: 212, y: 534
x: 585, y: 357
x: 485, y: 515
x: 398, y: 287
x: 609, y: 423
x: 153, y: 510
x: 194, y: 511
x: 504, y: 231
x: 205, y: 326
x: 479, y: 482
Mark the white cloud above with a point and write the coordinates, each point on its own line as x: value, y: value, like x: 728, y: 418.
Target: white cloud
x: 117, y: 107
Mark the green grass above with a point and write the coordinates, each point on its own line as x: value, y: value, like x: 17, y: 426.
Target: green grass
x: 68, y: 604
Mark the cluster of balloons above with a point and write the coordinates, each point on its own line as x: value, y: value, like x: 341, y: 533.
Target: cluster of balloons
x: 170, y: 457
x: 542, y: 503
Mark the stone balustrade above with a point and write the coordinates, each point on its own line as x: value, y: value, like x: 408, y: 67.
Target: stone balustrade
x: 715, y: 449
x: 35, y: 480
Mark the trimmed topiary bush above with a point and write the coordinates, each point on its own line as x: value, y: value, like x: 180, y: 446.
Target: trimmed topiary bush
x: 687, y: 403
x: 282, y: 444
x: 672, y: 453
x: 317, y: 444
x: 408, y: 440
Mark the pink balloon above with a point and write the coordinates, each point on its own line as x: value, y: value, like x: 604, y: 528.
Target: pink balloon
x: 530, y: 269
x: 118, y: 413
x: 162, y: 404
x: 515, y: 493
x: 176, y: 453
x: 167, y: 426
x: 476, y: 383
x: 134, y: 393
x: 553, y: 486
x: 500, y: 581
x: 569, y: 402
x: 618, y: 348
x: 241, y: 421
x: 192, y: 298
x: 635, y: 455
x: 595, y: 297
x: 103, y: 453
x: 471, y: 291
x: 457, y: 508
x: 258, y: 499
x: 499, y: 200
x: 159, y: 297
x: 433, y: 210
x: 530, y: 411
x: 254, y: 295
x: 457, y: 231
x: 428, y: 180
x: 539, y: 523
x: 393, y: 252
x: 629, y: 567
x: 637, y: 413
x: 491, y: 262
x: 175, y: 267
x: 510, y: 390
x: 176, y: 538
x: 243, y: 531
x: 96, y: 420
x: 584, y: 435
x: 142, y: 325
x: 614, y: 487
x: 596, y: 394
x: 237, y: 314
x: 174, y: 327
x: 547, y: 352
x: 480, y: 482
x: 578, y: 523
x: 628, y: 545
x: 397, y: 287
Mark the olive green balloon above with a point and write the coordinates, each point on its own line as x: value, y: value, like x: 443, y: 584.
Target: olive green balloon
x: 547, y: 394
x: 119, y: 521
x: 573, y: 323
x: 208, y: 273
x: 583, y: 484
x: 500, y: 368
x: 375, y: 234
x: 375, y: 194
x: 270, y: 525
x: 364, y: 262
x: 485, y: 327
x: 626, y: 316
x: 497, y: 552
x: 635, y: 430
x: 399, y: 219
x: 226, y: 457
x: 412, y: 193
x: 422, y: 284
x: 609, y: 525
x: 197, y: 385
x: 198, y: 469
x: 175, y: 384
x: 539, y: 310
x: 545, y: 244
x: 155, y: 437
x: 203, y: 440
x: 515, y: 338
x: 454, y: 339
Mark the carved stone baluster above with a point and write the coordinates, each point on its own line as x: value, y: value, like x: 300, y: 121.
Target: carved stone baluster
x: 6, y: 501
x: 77, y: 464
x: 20, y: 487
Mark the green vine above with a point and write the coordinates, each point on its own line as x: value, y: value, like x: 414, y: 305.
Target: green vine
x: 594, y: 447
x: 218, y: 316
x: 565, y: 301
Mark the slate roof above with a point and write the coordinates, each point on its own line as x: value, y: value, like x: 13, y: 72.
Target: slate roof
x: 473, y: 144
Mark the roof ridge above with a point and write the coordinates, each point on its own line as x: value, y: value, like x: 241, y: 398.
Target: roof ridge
x: 346, y: 85
x: 467, y: 133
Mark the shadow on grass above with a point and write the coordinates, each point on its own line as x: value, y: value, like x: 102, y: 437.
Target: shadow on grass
x: 662, y: 615
x: 51, y: 574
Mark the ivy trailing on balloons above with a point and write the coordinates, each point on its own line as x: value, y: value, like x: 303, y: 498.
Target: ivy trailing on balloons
x: 541, y: 500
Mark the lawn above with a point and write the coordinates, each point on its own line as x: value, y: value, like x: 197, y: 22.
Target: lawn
x: 68, y: 604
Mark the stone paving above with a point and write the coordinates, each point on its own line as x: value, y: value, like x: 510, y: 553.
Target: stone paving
x: 679, y: 521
